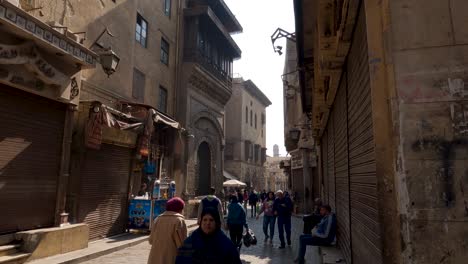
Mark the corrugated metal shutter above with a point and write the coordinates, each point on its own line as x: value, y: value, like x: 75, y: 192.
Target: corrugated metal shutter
x: 104, y: 190
x: 365, y: 232
x: 324, y: 148
x: 331, y: 162
x: 30, y: 148
x: 341, y: 169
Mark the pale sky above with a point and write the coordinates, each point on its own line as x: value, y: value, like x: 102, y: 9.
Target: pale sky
x: 260, y: 18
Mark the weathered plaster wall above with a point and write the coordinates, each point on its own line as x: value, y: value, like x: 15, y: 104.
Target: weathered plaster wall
x: 429, y: 50
x: 93, y: 16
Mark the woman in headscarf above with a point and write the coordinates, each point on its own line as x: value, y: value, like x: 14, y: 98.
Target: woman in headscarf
x: 208, y: 244
x: 167, y: 233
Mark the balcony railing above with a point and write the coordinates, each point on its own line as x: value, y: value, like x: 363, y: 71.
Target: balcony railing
x: 208, y: 64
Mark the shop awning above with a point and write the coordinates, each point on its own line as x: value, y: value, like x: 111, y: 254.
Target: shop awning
x: 229, y: 176
x: 158, y: 117
x: 162, y: 118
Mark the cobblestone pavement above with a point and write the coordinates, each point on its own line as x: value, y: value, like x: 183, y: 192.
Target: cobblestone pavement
x: 262, y: 253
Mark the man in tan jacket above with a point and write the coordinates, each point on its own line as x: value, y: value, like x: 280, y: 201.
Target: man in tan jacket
x: 168, y: 233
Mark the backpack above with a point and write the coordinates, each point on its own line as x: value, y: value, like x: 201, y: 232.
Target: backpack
x: 210, y: 203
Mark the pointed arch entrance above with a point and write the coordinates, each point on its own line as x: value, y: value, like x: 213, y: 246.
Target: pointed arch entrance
x: 204, y: 169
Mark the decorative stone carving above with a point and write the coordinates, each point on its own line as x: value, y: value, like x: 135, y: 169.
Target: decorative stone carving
x: 209, y: 87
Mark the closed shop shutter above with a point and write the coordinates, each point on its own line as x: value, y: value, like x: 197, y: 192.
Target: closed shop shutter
x: 331, y: 162
x: 324, y: 179
x: 341, y: 169
x: 365, y: 232
x: 104, y: 190
x: 31, y: 136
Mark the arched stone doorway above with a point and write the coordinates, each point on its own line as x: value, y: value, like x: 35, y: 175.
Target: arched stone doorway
x: 204, y: 169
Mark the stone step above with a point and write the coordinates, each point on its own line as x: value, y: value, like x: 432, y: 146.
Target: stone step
x: 331, y: 255
x: 9, y: 249
x: 16, y: 258
x: 6, y: 239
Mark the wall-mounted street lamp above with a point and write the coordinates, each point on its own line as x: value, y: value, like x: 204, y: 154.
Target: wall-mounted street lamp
x: 107, y: 57
x: 281, y: 33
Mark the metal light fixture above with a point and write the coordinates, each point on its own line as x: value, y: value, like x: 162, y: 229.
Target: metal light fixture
x: 109, y: 61
x: 281, y: 33
x: 107, y: 57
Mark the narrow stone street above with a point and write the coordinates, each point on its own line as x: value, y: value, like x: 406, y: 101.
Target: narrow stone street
x: 262, y: 253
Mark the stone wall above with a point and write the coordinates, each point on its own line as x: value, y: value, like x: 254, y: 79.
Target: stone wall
x: 429, y: 51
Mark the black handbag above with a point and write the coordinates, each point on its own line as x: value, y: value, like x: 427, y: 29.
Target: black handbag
x: 249, y: 238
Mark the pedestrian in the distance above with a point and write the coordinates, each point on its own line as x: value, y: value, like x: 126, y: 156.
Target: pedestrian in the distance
x: 213, y: 202
x: 245, y: 198
x: 263, y: 196
x: 236, y: 221
x: 253, y: 199
x: 208, y: 244
x: 167, y: 233
x: 283, y: 209
x: 269, y: 217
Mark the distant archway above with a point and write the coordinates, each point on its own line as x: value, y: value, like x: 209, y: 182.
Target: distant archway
x: 204, y: 169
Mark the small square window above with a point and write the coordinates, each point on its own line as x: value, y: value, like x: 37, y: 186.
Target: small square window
x: 141, y: 31
x: 164, y: 52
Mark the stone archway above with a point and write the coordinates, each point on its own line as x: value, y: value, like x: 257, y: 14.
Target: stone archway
x: 204, y: 169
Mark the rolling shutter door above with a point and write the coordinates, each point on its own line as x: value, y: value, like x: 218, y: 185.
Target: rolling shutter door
x: 341, y: 170
x: 365, y: 233
x: 104, y: 190
x: 324, y: 147
x: 331, y: 162
x: 30, y: 149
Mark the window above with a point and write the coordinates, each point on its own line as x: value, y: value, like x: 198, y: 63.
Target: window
x: 167, y: 7
x: 251, y: 118
x: 255, y: 121
x: 263, y: 119
x: 164, y: 52
x: 141, y: 30
x: 247, y: 150
x: 162, y: 103
x: 201, y: 42
x: 246, y: 115
x: 138, y: 91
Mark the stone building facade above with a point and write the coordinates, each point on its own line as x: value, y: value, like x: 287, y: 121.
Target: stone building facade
x: 276, y: 178
x: 298, y: 136
x: 245, y: 152
x: 204, y: 88
x: 384, y: 83
x: 129, y: 146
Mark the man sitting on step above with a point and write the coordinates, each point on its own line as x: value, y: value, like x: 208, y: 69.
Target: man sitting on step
x: 322, y: 235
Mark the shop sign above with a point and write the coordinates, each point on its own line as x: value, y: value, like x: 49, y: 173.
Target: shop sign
x: 139, y: 214
x: 296, y: 160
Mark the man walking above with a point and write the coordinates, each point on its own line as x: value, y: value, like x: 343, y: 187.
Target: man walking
x: 253, y: 199
x: 263, y: 196
x: 211, y: 201
x: 283, y: 209
x: 322, y: 235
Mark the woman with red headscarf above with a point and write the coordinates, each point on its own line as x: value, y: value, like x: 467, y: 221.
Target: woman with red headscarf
x: 168, y: 233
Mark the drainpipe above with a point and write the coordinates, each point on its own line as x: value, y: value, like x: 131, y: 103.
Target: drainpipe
x: 61, y: 217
